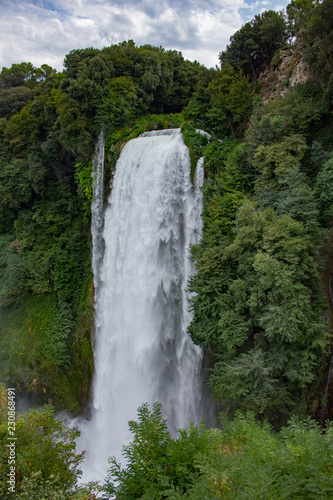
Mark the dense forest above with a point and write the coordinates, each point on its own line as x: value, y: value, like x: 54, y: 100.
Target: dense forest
x: 262, y: 308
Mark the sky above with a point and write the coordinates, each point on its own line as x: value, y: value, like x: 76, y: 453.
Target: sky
x: 43, y: 32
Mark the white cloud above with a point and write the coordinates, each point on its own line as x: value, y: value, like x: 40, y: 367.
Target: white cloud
x: 83, y: 23
x: 45, y: 31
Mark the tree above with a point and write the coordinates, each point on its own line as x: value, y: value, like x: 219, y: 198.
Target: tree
x: 275, y: 160
x: 45, y: 451
x: 252, y: 462
x: 200, y: 101
x: 230, y: 100
x: 119, y: 107
x: 297, y: 199
x: 290, y: 115
x: 246, y: 460
x: 252, y: 47
x: 24, y: 74
x: 73, y: 124
x: 158, y: 466
x: 324, y: 195
x: 21, y: 131
x: 13, y: 99
x: 146, y: 457
x: 319, y: 42
x: 300, y: 16
x: 257, y: 310
x: 89, y: 82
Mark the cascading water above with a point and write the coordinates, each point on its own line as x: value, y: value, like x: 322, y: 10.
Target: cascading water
x: 97, y: 209
x: 142, y: 352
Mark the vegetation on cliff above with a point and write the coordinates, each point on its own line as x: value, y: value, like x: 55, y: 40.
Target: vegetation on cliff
x: 263, y: 287
x: 46, y: 293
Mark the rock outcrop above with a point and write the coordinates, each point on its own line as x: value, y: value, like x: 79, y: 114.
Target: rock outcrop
x: 286, y: 70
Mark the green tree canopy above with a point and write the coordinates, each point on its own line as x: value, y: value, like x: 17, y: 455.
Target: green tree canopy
x: 252, y: 47
x: 44, y: 445
x: 24, y: 74
x: 257, y: 311
x: 230, y: 100
x: 319, y: 41
x: 300, y: 15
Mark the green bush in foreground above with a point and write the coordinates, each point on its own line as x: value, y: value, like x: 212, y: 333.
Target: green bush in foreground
x: 45, y: 454
x: 246, y: 460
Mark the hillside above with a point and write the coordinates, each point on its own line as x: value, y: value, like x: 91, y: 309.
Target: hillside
x: 262, y: 308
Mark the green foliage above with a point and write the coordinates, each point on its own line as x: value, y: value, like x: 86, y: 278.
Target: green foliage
x: 21, y: 131
x: 118, y: 107
x: 112, y: 86
x: 291, y: 115
x: 231, y: 100
x: 24, y: 74
x: 35, y: 488
x: 275, y: 160
x: 72, y: 122
x: 200, y: 102
x: 229, y: 172
x: 319, y: 41
x: 146, y: 457
x: 40, y: 346
x: 318, y: 155
x: 81, y: 367
x: 280, y: 183
x: 48, y: 246
x: 238, y: 172
x: 58, y: 339
x: 247, y: 460
x: 42, y: 265
x: 253, y: 462
x: 215, y: 156
x: 12, y: 100
x: 83, y: 177
x: 252, y: 47
x: 45, y: 451
x: 324, y: 194
x: 157, y: 466
x: 257, y: 310
x: 229, y: 178
x: 222, y: 103
x: 297, y: 199
x: 300, y: 15
x: 196, y: 143
x: 87, y: 78
x: 17, y: 347
x: 20, y: 272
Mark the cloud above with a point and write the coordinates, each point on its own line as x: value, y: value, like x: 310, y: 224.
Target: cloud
x: 45, y: 31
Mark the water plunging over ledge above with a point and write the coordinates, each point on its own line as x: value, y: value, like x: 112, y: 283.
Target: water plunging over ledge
x: 142, y: 352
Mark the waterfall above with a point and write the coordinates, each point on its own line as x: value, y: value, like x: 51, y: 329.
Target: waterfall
x: 142, y: 352
x: 97, y: 209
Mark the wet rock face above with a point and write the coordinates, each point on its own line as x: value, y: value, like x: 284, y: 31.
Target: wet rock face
x: 286, y: 70
x: 300, y: 73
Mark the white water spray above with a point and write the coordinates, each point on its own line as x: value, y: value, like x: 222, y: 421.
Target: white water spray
x: 142, y: 352
x: 97, y: 209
